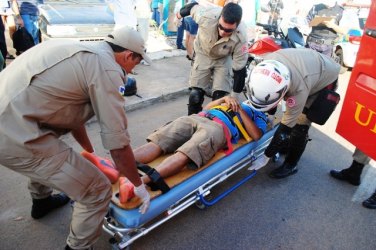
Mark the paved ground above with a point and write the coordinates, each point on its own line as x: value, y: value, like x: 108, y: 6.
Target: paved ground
x: 310, y: 211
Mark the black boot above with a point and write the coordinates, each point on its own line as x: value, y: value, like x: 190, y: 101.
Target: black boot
x: 42, y: 207
x: 298, y: 142
x: 370, y: 202
x: 351, y: 174
x: 283, y: 171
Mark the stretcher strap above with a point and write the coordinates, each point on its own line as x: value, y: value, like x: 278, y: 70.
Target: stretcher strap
x: 225, y: 130
x: 157, y: 182
x: 232, y: 116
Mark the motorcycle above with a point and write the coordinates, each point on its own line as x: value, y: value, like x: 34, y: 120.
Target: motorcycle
x: 277, y: 39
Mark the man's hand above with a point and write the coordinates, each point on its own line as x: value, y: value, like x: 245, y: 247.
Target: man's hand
x: 232, y: 103
x: 143, y: 194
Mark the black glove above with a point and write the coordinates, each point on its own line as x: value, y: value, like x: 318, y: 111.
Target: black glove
x: 280, y: 140
x: 239, y: 80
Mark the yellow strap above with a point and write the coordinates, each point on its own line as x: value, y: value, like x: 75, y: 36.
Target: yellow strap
x: 236, y: 120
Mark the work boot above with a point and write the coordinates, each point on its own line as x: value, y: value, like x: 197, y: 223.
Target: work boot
x: 283, y: 171
x: 42, y: 207
x: 351, y: 174
x: 370, y: 202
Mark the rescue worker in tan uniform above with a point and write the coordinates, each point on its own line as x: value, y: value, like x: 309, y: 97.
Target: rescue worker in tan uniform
x: 53, y: 89
x: 220, y: 52
x: 306, y: 80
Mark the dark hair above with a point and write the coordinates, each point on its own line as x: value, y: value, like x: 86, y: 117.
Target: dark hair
x: 116, y: 48
x: 232, y: 13
x: 119, y: 49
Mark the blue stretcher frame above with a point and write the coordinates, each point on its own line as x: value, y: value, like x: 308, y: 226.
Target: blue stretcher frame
x: 128, y: 225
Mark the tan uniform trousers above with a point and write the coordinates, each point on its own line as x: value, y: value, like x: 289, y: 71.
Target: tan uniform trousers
x: 204, y: 69
x: 80, y: 180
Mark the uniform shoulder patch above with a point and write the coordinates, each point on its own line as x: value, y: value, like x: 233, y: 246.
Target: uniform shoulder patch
x: 122, y: 90
x: 291, y: 102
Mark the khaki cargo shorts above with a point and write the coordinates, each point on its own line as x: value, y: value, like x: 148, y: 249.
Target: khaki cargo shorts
x: 197, y: 137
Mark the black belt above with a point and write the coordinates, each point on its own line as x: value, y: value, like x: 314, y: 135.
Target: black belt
x: 320, y: 41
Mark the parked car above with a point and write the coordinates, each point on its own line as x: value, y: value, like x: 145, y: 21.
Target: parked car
x: 346, y: 49
x: 84, y: 20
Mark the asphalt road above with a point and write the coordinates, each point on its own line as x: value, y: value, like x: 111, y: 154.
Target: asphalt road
x: 309, y: 210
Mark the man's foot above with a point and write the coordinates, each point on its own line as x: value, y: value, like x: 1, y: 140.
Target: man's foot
x: 181, y: 47
x: 190, y: 59
x: 370, y: 202
x: 344, y: 176
x: 42, y: 207
x: 283, y: 171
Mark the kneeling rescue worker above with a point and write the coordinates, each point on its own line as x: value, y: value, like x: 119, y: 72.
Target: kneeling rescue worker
x: 306, y: 80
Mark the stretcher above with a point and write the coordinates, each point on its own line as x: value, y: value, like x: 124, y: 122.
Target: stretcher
x: 126, y: 224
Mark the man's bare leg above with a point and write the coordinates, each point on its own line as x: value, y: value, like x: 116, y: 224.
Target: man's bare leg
x: 170, y: 166
x: 147, y: 152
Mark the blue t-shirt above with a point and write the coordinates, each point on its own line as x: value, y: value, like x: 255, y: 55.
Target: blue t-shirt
x: 258, y: 117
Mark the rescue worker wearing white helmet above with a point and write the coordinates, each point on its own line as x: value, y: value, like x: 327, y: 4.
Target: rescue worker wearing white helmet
x: 304, y: 78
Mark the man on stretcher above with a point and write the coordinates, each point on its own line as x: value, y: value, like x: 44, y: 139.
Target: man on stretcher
x: 195, y: 139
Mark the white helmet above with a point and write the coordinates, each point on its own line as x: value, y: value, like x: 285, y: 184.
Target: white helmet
x: 268, y: 84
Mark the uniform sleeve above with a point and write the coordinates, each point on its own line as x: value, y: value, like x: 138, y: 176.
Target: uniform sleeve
x: 108, y: 105
x: 294, y: 107
x: 240, y: 54
x: 197, y: 12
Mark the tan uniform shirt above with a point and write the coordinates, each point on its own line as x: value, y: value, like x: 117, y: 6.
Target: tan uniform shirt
x: 55, y: 87
x: 207, y: 42
x: 310, y: 72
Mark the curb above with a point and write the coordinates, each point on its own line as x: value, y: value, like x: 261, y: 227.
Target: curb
x: 149, y: 101
x: 152, y: 100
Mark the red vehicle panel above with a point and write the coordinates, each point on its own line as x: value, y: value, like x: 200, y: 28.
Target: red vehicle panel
x: 357, y: 121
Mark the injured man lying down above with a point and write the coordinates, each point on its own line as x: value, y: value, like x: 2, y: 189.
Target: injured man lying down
x: 192, y: 141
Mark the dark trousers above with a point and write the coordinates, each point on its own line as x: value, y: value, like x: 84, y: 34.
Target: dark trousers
x: 180, y: 34
x: 3, y: 45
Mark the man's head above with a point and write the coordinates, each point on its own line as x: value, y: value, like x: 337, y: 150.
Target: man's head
x: 128, y: 46
x: 229, y: 20
x: 269, y: 82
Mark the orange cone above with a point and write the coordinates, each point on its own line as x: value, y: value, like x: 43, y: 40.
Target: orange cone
x: 126, y: 190
x: 105, y: 165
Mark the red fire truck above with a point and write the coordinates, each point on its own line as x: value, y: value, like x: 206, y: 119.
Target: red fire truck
x: 357, y: 121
